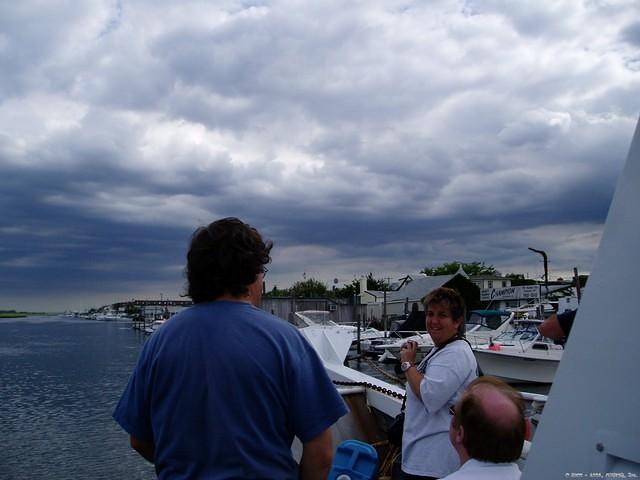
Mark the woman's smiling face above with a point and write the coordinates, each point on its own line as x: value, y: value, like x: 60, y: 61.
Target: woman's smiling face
x: 440, y: 324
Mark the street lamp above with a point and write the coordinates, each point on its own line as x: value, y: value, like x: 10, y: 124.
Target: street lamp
x: 546, y: 267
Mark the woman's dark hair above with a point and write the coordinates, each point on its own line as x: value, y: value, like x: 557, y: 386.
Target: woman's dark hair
x: 224, y: 257
x: 455, y: 302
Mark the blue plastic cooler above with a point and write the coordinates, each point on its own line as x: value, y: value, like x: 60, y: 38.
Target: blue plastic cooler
x: 354, y: 460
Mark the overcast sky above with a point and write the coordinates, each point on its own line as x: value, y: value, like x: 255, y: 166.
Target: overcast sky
x: 364, y: 136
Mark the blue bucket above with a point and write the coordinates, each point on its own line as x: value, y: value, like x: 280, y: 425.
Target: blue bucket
x: 354, y: 460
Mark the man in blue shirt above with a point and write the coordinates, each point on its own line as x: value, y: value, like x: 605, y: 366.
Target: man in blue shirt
x: 222, y: 388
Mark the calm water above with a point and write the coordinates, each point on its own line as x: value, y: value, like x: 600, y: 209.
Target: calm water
x: 59, y: 382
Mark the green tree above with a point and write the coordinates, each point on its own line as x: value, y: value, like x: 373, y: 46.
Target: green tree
x: 278, y: 292
x: 132, y: 309
x: 353, y: 288
x: 518, y: 279
x: 449, y: 268
x: 380, y: 284
x: 309, y: 288
x: 347, y: 291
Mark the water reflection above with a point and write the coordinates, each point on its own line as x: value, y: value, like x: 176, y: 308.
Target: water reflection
x: 59, y: 381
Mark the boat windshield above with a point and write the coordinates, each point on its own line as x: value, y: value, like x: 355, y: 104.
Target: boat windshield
x: 486, y: 320
x: 312, y: 317
x: 523, y: 332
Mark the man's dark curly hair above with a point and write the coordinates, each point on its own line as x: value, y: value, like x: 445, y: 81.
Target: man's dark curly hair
x: 224, y: 257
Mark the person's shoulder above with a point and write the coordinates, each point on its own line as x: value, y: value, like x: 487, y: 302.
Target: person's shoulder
x: 261, y: 320
x: 569, y: 315
x: 460, y: 345
x: 456, y: 355
x: 565, y: 320
x: 271, y: 319
x: 474, y: 469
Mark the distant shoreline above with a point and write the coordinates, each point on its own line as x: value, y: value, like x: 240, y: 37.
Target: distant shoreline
x: 12, y: 314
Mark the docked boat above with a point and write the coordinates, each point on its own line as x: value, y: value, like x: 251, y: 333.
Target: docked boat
x: 388, y: 349
x: 110, y: 315
x: 483, y: 325
x: 156, y: 324
x: 520, y: 355
x: 321, y: 318
x: 537, y: 310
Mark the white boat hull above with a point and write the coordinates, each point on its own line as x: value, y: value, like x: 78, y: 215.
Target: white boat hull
x: 393, y: 353
x: 515, y: 368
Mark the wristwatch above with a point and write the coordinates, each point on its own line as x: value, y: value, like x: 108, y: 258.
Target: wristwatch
x: 404, y: 366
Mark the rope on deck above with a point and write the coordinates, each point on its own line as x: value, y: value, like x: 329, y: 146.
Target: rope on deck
x: 393, y: 378
x: 371, y: 386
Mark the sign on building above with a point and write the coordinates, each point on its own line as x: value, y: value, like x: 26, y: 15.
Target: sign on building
x: 510, y: 293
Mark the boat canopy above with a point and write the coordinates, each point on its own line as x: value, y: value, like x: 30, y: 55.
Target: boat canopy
x: 487, y: 313
x: 487, y: 319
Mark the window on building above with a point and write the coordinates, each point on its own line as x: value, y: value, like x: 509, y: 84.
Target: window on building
x: 504, y: 283
x: 489, y: 283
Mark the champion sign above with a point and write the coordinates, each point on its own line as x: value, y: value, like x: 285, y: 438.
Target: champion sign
x: 510, y: 293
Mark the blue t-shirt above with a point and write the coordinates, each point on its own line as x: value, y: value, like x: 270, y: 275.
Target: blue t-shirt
x: 565, y: 320
x: 222, y: 388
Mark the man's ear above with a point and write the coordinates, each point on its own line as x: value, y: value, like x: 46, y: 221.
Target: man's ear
x: 458, y: 434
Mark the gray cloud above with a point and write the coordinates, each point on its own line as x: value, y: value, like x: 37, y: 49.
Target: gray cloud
x: 631, y: 33
x: 375, y: 137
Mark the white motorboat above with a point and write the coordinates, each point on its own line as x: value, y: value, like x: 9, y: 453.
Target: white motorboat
x: 110, y: 315
x: 307, y: 318
x: 520, y: 355
x: 483, y: 325
x: 533, y: 311
x: 156, y: 324
x: 389, y: 348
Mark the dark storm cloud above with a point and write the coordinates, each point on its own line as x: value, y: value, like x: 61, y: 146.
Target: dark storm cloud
x: 631, y: 33
x: 377, y: 137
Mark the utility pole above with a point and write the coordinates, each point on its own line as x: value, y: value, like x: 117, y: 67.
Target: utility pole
x: 576, y: 280
x: 384, y: 306
x: 359, y: 324
x: 384, y: 313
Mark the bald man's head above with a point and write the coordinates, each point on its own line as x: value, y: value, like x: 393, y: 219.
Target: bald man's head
x: 491, y: 414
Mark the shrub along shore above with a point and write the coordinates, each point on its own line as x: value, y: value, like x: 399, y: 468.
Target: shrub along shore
x: 14, y: 314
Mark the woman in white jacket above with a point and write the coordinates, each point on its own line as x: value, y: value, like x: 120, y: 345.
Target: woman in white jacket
x: 433, y: 386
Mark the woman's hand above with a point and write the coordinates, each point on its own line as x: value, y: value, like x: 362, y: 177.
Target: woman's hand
x: 408, y: 351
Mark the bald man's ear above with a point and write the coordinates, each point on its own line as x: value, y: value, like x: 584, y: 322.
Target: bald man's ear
x: 528, y: 429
